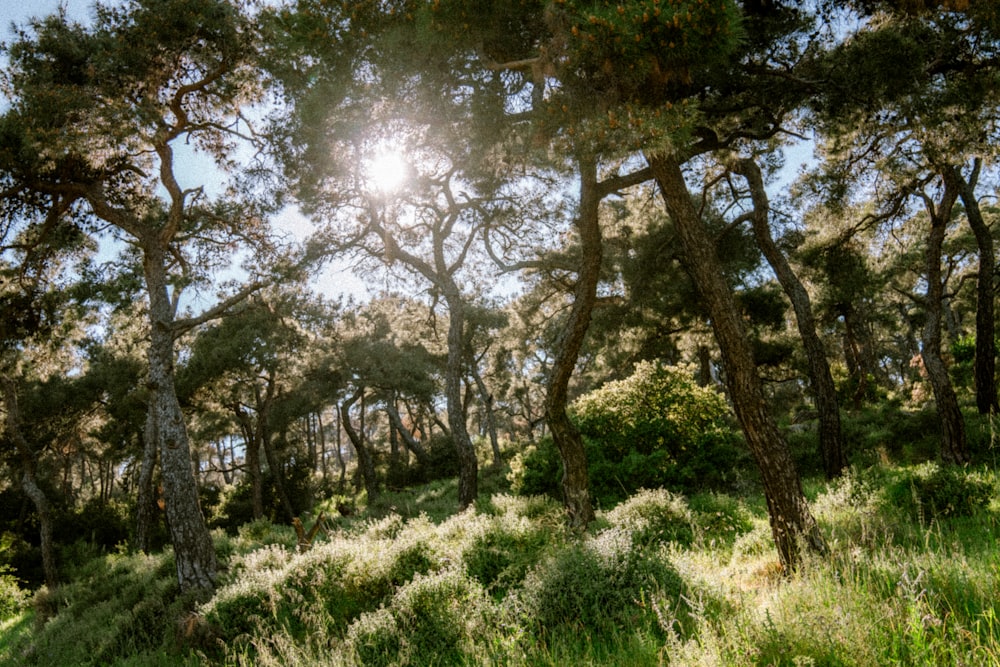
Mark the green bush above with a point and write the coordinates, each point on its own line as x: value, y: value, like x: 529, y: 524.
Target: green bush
x: 432, y: 620
x: 500, y: 556
x: 718, y: 518
x: 929, y: 491
x: 653, y: 517
x: 597, y: 585
x: 12, y: 597
x: 655, y: 428
x: 536, y: 470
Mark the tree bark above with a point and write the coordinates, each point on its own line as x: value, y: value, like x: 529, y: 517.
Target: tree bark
x: 146, y: 501
x: 366, y: 464
x: 193, y: 549
x: 575, y: 481
x: 409, y: 441
x: 468, y: 466
x: 29, y: 482
x: 791, y: 521
x: 953, y: 444
x: 985, y: 360
x: 491, y: 421
x: 824, y: 391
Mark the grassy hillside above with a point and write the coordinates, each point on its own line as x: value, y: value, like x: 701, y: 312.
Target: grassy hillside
x: 913, y: 578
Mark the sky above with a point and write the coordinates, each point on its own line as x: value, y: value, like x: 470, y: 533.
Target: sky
x: 19, y: 11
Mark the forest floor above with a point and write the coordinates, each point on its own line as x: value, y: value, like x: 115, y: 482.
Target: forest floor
x: 912, y: 577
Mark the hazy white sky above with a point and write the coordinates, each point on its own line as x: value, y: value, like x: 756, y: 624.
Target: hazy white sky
x: 19, y: 11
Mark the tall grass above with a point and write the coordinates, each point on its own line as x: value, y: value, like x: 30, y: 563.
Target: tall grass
x: 912, y: 578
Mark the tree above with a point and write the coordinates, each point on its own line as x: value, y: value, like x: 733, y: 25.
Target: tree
x: 627, y: 77
x: 821, y: 381
x: 96, y: 115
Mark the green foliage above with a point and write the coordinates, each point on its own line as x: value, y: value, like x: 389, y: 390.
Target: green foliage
x: 931, y: 491
x: 536, y: 470
x: 12, y: 596
x: 655, y: 428
x: 432, y: 620
x: 596, y: 584
x: 500, y: 556
x: 662, y: 578
x: 653, y: 517
x: 115, y: 606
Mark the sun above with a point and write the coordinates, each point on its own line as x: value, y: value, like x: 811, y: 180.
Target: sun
x: 388, y: 170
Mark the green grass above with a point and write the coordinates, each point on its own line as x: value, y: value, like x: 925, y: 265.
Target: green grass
x: 912, y: 578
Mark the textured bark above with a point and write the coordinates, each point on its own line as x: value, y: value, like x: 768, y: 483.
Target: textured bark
x: 468, y: 466
x: 792, y: 523
x: 29, y: 482
x: 409, y: 441
x: 575, y: 482
x: 193, y: 548
x: 366, y: 464
x: 146, y: 502
x: 821, y: 381
x: 953, y: 444
x: 985, y: 361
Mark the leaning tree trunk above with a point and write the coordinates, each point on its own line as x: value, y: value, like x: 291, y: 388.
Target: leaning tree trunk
x: 791, y: 521
x: 985, y: 360
x: 468, y: 466
x: 411, y: 443
x: 575, y: 481
x: 825, y: 392
x: 193, y: 549
x: 29, y: 482
x: 953, y: 444
x: 366, y: 464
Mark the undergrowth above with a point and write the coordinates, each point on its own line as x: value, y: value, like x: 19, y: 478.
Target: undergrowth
x: 912, y: 578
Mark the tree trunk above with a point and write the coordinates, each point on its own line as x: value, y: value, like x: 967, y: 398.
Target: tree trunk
x: 146, y: 502
x: 409, y: 441
x: 29, y: 483
x: 251, y: 444
x: 468, y: 466
x: 985, y: 361
x: 953, y: 444
x: 825, y: 392
x: 264, y: 404
x: 366, y: 464
x: 791, y: 521
x: 341, y: 464
x: 491, y: 421
x: 575, y: 480
x: 193, y: 549
x: 321, y: 444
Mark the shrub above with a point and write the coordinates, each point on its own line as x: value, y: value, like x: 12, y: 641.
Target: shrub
x: 596, y: 584
x: 536, y: 470
x: 930, y: 491
x: 500, y: 556
x: 654, y: 516
x: 656, y: 428
x: 12, y: 597
x: 718, y: 518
